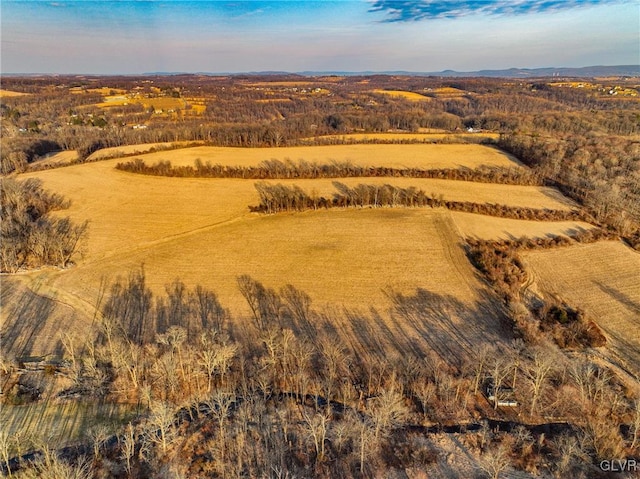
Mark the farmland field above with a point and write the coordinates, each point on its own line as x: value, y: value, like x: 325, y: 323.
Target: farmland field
x: 407, y: 95
x: 492, y: 228
x: 419, y: 136
x: 201, y: 231
x: 395, y: 156
x: 602, y: 278
x: 9, y: 93
x: 116, y: 151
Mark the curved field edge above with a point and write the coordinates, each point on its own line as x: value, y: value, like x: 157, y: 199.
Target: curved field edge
x: 603, y: 279
x: 396, y: 156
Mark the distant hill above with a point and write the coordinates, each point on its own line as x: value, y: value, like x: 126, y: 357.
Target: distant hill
x: 591, y: 71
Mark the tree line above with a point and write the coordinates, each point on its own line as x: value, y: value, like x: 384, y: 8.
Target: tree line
x: 31, y: 236
x: 500, y: 263
x: 276, y: 198
x: 301, y: 169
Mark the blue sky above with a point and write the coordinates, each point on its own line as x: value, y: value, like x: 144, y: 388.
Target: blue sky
x: 110, y: 37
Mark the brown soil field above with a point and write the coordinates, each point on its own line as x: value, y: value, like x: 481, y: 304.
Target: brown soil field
x: 407, y: 95
x: 603, y: 278
x: 492, y: 228
x: 396, y: 156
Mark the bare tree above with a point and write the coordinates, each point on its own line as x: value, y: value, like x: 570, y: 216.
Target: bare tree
x: 542, y: 363
x: 128, y: 448
x: 316, y: 426
x: 635, y: 423
x: 495, y: 461
x: 160, y: 425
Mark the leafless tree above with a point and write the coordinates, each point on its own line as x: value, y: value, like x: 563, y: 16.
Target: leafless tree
x: 495, y: 461
x: 542, y: 364
x: 317, y: 427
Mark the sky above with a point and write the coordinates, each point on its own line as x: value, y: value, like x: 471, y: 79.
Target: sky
x: 232, y: 36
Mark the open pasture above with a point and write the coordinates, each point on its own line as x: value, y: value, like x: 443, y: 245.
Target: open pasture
x: 407, y: 95
x: 416, y: 137
x: 484, y: 227
x: 395, y: 156
x: 124, y: 150
x: 61, y: 423
x: 201, y: 231
x: 10, y: 93
x: 603, y: 279
x: 57, y: 158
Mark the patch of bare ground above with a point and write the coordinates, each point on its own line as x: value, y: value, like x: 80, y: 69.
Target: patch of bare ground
x: 603, y: 279
x: 486, y: 227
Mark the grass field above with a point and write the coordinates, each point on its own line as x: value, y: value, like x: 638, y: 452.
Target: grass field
x: 397, y: 156
x: 420, y: 136
x: 407, y: 95
x: 61, y: 423
x: 141, y: 148
x: 9, y: 93
x: 58, y: 158
x: 201, y: 231
x: 603, y: 278
x: 491, y: 228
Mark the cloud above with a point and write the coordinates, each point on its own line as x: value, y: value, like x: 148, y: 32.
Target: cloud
x: 413, y: 10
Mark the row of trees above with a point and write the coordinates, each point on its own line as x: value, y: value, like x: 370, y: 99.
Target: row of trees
x: 31, y: 236
x: 501, y: 265
x: 275, y: 198
x: 288, y: 169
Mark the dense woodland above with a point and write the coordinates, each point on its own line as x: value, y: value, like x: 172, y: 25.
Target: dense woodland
x: 283, y: 394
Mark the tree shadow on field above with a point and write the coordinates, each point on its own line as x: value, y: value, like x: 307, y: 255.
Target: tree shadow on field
x: 26, y: 312
x: 625, y: 343
x: 426, y: 321
x: 619, y: 296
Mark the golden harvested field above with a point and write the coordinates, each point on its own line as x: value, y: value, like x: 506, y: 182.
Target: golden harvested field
x: 603, y: 278
x: 58, y: 158
x: 342, y: 257
x: 407, y: 95
x: 396, y: 156
x: 426, y: 137
x: 64, y: 422
x: 201, y: 231
x: 117, y: 151
x: 106, y: 91
x: 163, y: 103
x: 491, y: 228
x: 447, y: 92
x: 9, y: 93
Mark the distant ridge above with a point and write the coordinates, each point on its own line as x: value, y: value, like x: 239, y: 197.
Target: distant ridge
x: 587, y: 72
x: 584, y: 72
x: 591, y: 71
